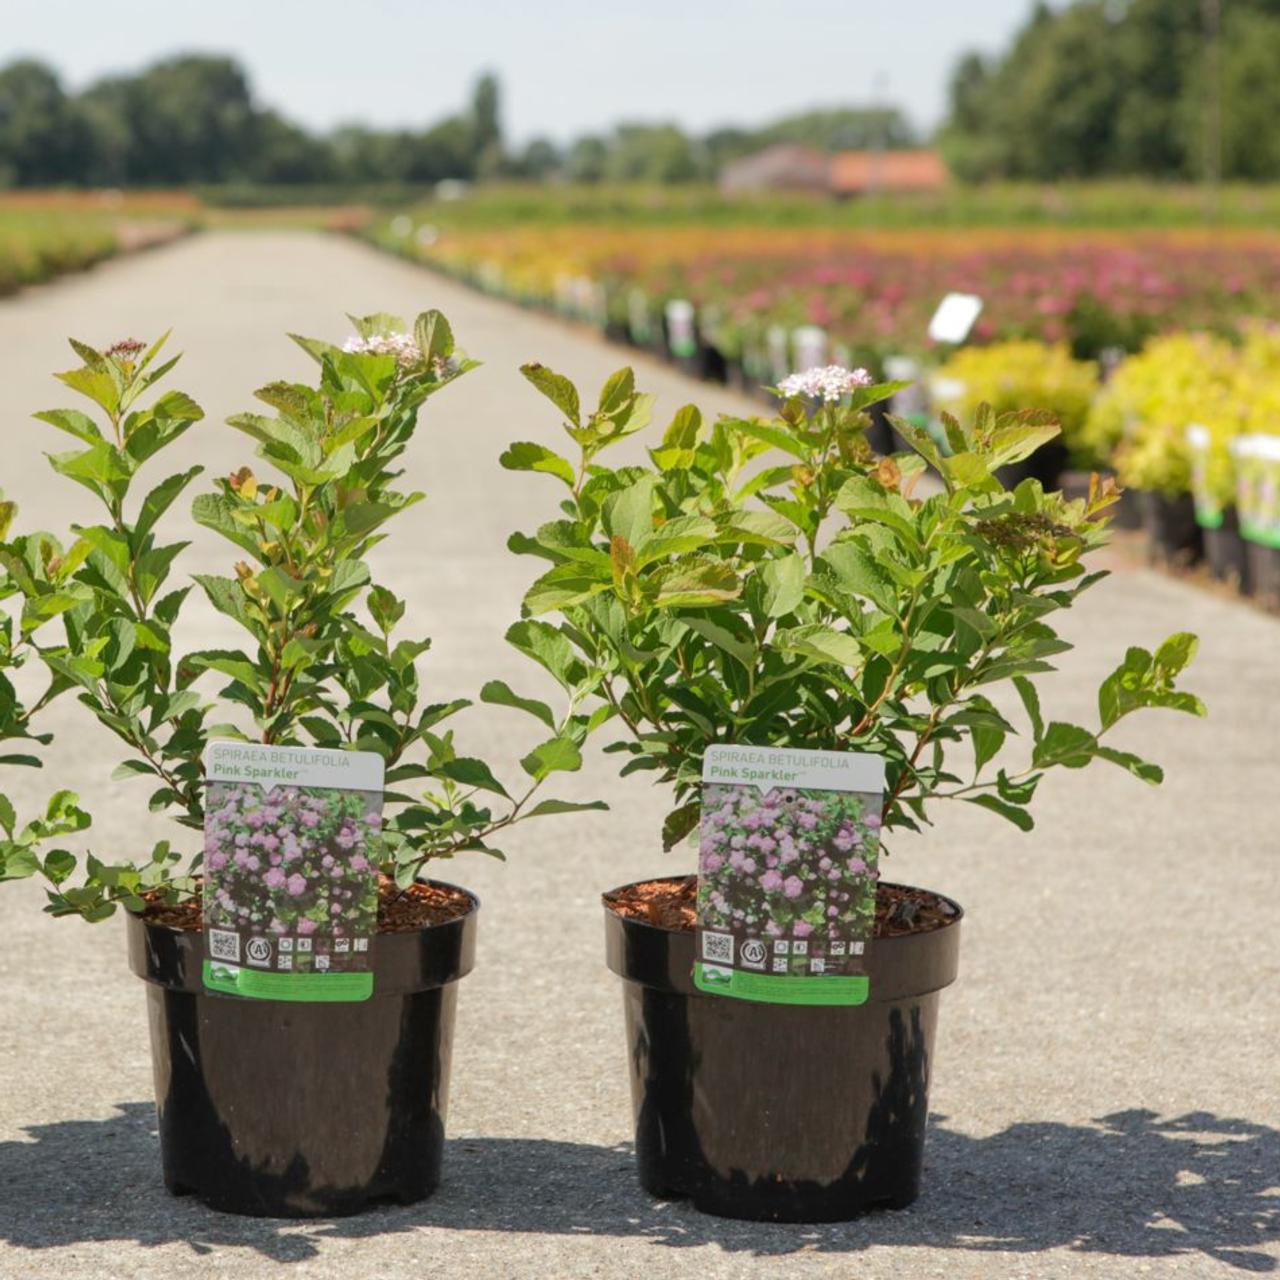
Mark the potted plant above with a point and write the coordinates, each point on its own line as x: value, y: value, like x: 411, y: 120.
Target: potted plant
x: 266, y: 1107
x: 1026, y: 374
x: 774, y: 584
x: 1213, y: 488
x: 1257, y: 467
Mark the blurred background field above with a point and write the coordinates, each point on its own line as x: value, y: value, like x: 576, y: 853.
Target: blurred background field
x: 1103, y: 178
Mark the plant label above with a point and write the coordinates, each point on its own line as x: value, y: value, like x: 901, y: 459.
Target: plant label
x: 682, y: 333
x: 291, y: 839
x: 955, y: 317
x: 788, y: 848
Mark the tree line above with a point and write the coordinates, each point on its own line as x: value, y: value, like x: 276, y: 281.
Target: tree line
x: 193, y: 120
x: 1171, y: 89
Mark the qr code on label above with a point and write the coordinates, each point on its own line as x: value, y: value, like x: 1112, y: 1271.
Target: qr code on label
x: 224, y: 945
x: 718, y: 947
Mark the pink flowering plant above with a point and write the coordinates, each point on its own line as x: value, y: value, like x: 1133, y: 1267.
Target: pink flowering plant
x: 774, y: 583
x: 321, y: 659
x: 294, y: 861
x: 792, y: 862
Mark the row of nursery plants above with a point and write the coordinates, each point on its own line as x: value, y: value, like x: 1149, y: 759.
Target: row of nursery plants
x: 770, y: 582
x: 750, y: 305
x: 738, y: 301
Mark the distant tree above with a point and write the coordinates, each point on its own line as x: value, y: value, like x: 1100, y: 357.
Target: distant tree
x: 1250, y: 90
x: 446, y: 150
x: 843, y: 129
x: 541, y: 159
x: 43, y: 136
x: 486, y: 126
x: 586, y: 160
x: 724, y: 145
x: 284, y: 153
x: 651, y: 153
x: 1118, y: 87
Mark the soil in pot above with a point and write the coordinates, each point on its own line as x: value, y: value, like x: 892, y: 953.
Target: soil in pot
x: 780, y: 1112
x: 282, y: 1109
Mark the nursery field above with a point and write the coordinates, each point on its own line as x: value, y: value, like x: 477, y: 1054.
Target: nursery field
x: 1152, y: 340
x: 1104, y: 1100
x: 44, y: 234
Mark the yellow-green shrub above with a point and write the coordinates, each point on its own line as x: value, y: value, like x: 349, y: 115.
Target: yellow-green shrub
x: 1025, y: 375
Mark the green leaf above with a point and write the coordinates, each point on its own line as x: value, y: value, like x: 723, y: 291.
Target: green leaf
x: 744, y: 651
x: 564, y: 586
x: 862, y: 499
x: 553, y: 756
x: 548, y: 647
x: 73, y: 422
x: 559, y: 390
x: 675, y: 537
x: 629, y: 512
x: 500, y: 694
x: 857, y: 573
x: 817, y: 641
x: 618, y: 390
x: 783, y: 581
x: 470, y: 773
x: 1031, y: 701
x: 433, y: 335
x: 693, y: 581
x: 1140, y: 768
x: 1176, y: 652
x: 525, y: 455
x: 1012, y: 812
x: 678, y: 824
x: 159, y: 500
x: 545, y: 808
x: 1064, y: 744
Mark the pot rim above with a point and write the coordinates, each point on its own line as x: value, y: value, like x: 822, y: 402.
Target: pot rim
x: 634, y: 921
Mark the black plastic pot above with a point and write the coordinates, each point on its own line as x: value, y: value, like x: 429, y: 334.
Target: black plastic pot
x: 1264, y: 572
x: 777, y: 1112
x: 1170, y: 524
x: 1045, y: 465
x: 1224, y: 549
x: 1128, y: 511
x: 881, y: 435
x: 304, y: 1110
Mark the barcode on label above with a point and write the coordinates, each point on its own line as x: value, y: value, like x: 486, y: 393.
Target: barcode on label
x: 224, y: 945
x: 718, y: 947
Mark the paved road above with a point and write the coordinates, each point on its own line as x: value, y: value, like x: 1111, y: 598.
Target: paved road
x: 1106, y: 1099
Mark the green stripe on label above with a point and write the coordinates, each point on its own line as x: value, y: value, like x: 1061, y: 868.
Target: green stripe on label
x: 767, y: 988
x: 300, y: 988
x: 1266, y: 535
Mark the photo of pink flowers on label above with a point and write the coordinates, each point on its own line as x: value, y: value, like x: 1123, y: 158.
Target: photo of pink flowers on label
x: 290, y: 873
x: 786, y: 873
x: 793, y: 866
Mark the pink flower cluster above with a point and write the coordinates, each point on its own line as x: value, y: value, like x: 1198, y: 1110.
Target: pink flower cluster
x: 828, y: 384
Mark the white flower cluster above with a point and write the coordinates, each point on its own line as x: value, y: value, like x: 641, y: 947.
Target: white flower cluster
x: 400, y: 345
x: 828, y: 384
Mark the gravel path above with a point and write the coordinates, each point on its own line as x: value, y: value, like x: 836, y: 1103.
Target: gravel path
x: 1105, y: 1099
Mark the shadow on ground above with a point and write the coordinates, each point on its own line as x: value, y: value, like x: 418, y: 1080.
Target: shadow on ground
x: 1129, y: 1185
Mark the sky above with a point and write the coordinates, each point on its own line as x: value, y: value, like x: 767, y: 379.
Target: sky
x: 566, y: 66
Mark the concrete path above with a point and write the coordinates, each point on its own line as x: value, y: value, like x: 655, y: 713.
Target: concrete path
x: 1106, y: 1098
